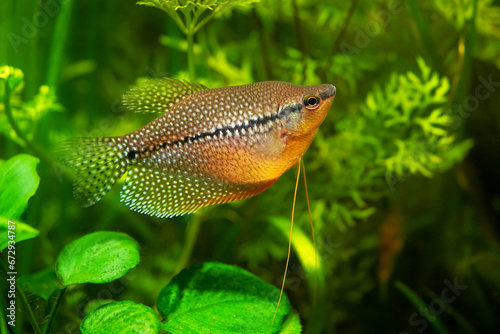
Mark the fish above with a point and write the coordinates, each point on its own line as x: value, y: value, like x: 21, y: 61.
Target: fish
x: 209, y: 146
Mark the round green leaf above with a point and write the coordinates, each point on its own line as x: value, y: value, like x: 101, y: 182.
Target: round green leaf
x: 219, y: 298
x: 12, y: 230
x: 121, y: 317
x: 99, y: 257
x: 18, y: 182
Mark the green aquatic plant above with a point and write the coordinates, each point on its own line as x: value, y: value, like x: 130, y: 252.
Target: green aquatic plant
x: 460, y: 13
x: 401, y: 129
x: 20, y: 121
x: 418, y: 133
x: 393, y: 148
x: 196, y: 300
x: 195, y: 14
x: 211, y: 297
x: 18, y: 183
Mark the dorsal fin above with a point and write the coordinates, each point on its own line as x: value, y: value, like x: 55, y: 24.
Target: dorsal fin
x: 158, y: 95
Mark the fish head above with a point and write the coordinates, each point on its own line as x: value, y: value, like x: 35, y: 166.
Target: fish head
x: 303, y: 108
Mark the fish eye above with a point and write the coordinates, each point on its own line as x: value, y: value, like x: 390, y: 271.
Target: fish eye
x: 311, y: 102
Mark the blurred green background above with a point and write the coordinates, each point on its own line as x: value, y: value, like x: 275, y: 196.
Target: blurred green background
x: 403, y: 176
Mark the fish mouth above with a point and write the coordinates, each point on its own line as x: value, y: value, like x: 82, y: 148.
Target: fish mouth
x: 327, y: 92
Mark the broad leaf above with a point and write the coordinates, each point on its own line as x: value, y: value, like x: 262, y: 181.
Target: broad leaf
x: 99, y: 257
x: 121, y: 317
x: 14, y: 231
x: 18, y: 182
x: 219, y: 298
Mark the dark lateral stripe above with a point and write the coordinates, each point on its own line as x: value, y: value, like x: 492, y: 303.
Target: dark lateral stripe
x: 245, y: 126
x: 249, y: 124
x: 283, y: 112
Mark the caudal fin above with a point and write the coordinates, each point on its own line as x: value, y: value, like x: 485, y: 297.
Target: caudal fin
x: 98, y: 162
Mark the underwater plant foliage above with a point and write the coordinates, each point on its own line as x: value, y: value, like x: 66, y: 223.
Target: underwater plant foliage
x: 402, y: 177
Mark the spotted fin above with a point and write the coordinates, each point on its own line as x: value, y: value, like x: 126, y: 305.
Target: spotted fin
x: 157, y: 190
x: 98, y: 162
x: 158, y: 95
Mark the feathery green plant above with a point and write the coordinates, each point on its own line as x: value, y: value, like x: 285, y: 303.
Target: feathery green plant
x: 195, y: 14
x: 400, y: 130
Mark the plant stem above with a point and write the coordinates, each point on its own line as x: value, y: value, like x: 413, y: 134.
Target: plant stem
x: 3, y: 321
x: 423, y: 30
x: 58, y: 43
x: 175, y: 57
x: 8, y: 111
x: 300, y: 39
x: 179, y: 22
x: 31, y: 315
x: 190, y: 43
x: 197, y: 25
x: 191, y: 234
x: 52, y: 314
x: 465, y: 48
x: 24, y: 302
x: 339, y: 39
x: 259, y: 27
x: 343, y: 29
x: 190, y: 55
x: 419, y: 304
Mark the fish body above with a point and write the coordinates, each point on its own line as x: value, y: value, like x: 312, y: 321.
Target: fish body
x: 209, y: 146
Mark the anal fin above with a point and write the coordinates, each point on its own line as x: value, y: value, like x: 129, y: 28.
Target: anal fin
x: 157, y: 190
